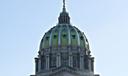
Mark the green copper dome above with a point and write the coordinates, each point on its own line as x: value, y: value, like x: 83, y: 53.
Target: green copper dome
x: 64, y: 35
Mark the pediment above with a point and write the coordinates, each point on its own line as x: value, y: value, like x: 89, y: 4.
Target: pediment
x: 64, y: 73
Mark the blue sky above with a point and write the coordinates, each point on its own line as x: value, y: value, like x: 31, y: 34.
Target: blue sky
x: 24, y: 22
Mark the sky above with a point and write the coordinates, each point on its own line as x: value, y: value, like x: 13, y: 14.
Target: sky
x: 24, y: 22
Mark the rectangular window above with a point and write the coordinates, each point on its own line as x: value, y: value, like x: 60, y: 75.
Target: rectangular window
x: 43, y: 62
x: 86, y: 65
x: 76, y: 60
x: 64, y: 59
x: 52, y: 61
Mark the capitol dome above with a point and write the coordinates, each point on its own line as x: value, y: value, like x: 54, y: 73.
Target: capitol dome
x: 64, y: 51
x: 64, y: 35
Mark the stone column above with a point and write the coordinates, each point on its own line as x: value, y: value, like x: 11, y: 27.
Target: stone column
x: 70, y: 60
x: 92, y: 64
x: 47, y: 62
x: 58, y: 60
x: 39, y: 65
x: 36, y: 65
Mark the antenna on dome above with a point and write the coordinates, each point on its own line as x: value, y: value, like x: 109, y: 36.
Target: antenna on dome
x: 64, y: 9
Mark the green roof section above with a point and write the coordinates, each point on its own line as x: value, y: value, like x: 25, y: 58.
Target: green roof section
x: 64, y: 35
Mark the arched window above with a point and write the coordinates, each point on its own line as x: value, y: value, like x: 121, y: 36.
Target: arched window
x: 82, y: 41
x: 43, y: 62
x: 76, y: 60
x: 47, y: 38
x: 52, y: 61
x: 64, y: 59
x: 86, y: 65
x: 73, y: 36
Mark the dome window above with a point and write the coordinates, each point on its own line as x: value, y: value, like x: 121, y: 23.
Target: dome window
x: 64, y: 35
x: 81, y: 37
x: 73, y: 36
x: 47, y: 38
x: 56, y: 30
x: 55, y: 36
